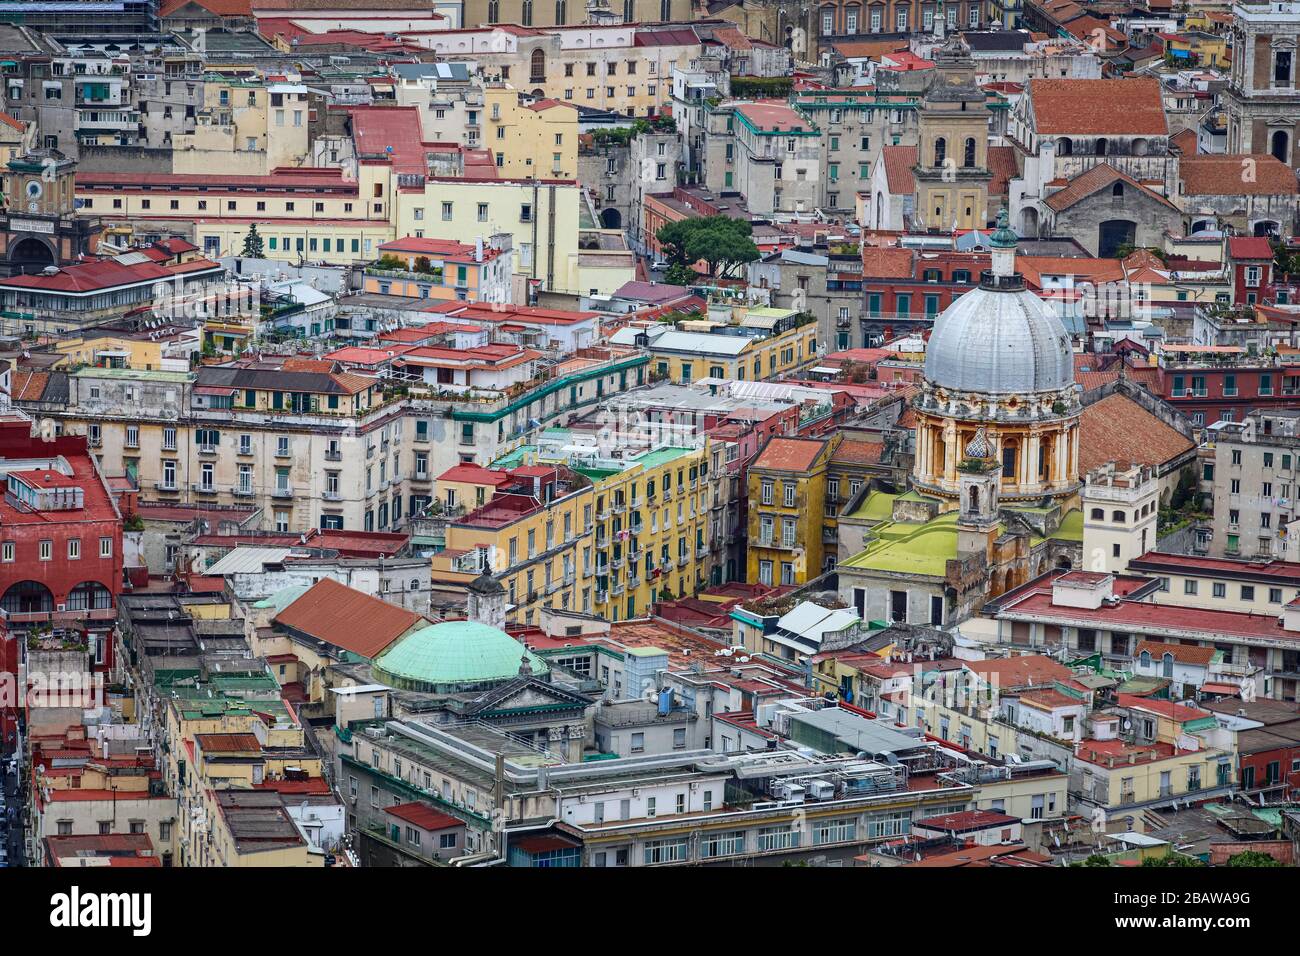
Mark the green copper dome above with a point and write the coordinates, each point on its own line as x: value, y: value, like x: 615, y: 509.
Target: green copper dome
x: 454, y: 655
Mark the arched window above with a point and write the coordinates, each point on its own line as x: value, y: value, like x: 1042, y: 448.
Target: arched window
x: 1064, y: 147
x: 974, y: 500
x: 968, y: 159
x: 1117, y: 190
x: 1117, y: 516
x: 1101, y: 146
x: 627, y: 11
x: 538, y: 67
x: 1168, y: 665
x: 27, y: 597
x: 89, y: 595
x: 494, y: 11
x: 526, y: 14
x: 1098, y: 514
x: 665, y: 10
x: 940, y: 151
x: 1145, y: 658
x: 561, y: 13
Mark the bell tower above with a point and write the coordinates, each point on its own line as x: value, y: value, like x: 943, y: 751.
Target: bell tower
x: 979, y: 475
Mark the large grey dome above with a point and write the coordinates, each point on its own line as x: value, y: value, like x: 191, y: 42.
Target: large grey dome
x: 999, y: 342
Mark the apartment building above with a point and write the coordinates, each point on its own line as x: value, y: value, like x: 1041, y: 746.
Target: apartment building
x: 247, y: 127
x: 1256, y: 476
x: 1096, y: 613
x: 769, y: 153
x: 526, y: 526
x: 741, y: 343
x: 530, y: 137
x: 791, y: 540
x: 622, y: 68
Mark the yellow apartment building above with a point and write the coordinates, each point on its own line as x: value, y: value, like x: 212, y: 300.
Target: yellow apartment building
x: 245, y: 127
x: 651, y: 531
x: 751, y: 345
x: 788, y: 541
x: 538, y: 138
x: 530, y: 547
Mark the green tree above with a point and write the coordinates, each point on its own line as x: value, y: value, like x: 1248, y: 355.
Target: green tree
x: 1172, y: 859
x: 721, y: 242
x: 253, y: 243
x: 1252, y: 858
x: 1095, y: 860
x: 679, y: 274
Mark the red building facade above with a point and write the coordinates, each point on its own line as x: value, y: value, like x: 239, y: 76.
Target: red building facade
x: 60, y: 542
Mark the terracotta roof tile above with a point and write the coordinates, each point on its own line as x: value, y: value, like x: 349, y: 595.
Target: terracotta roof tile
x: 1237, y: 174
x: 789, y: 454
x: 1119, y: 429
x: 347, y: 618
x: 1185, y: 653
x: 1129, y: 107
x: 1101, y: 176
x: 899, y: 161
x: 1002, y: 164
x: 886, y: 262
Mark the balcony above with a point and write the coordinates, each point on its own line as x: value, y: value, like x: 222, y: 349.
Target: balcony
x: 332, y: 496
x: 167, y: 487
x: 200, y: 488
x: 602, y: 597
x: 329, y: 455
x: 244, y: 492
x: 246, y: 451
x: 281, y: 492
x: 207, y: 449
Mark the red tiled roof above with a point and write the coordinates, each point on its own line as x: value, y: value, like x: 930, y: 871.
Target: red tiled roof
x: 1095, y: 179
x: 228, y: 743
x: 1233, y: 175
x: 1249, y: 247
x: 966, y: 821
x: 1183, y: 653
x: 1154, y: 618
x: 1119, y: 429
x: 423, y: 816
x: 347, y: 618
x: 899, y: 161
x: 789, y: 454
x: 886, y: 262
x: 1129, y: 107
x: 1002, y: 164
x: 1165, y: 708
x: 1020, y: 671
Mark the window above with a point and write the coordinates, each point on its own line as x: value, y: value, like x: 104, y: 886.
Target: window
x: 105, y: 547
x: 74, y: 549
x: 638, y: 746
x: 46, y: 550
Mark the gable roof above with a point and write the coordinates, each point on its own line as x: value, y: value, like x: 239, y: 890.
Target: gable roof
x: 1099, y: 177
x: 1183, y: 653
x: 347, y: 618
x: 899, y: 161
x: 1119, y: 429
x: 1129, y: 107
x: 1222, y: 175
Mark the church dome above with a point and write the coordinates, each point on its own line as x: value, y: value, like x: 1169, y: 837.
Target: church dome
x: 999, y: 343
x: 1000, y: 338
x: 454, y: 656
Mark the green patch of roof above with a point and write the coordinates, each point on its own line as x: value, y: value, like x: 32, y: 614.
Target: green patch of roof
x: 906, y: 548
x: 282, y: 598
x: 1071, y: 528
x: 657, y: 457
x: 877, y: 506
x: 515, y: 458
